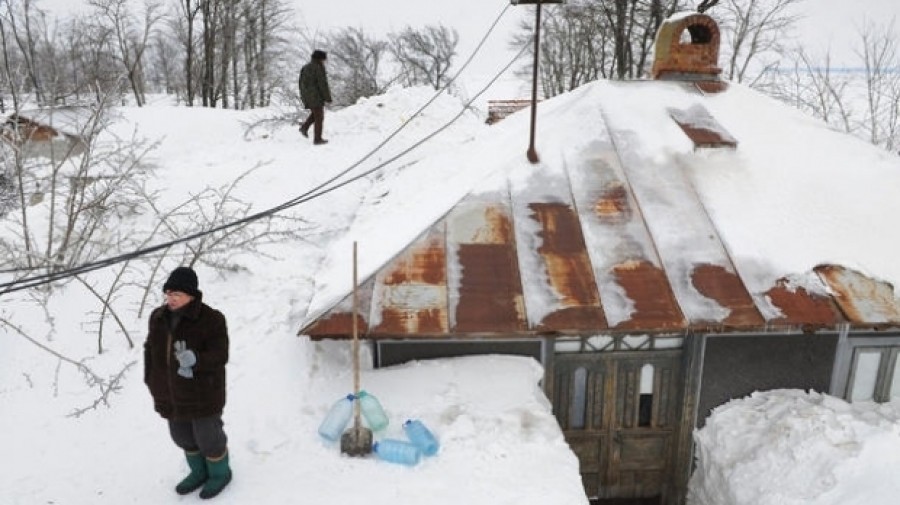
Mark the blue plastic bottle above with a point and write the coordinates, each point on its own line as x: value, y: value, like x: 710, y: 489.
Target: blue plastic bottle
x: 372, y: 411
x: 421, y: 437
x: 334, y: 423
x: 397, y: 451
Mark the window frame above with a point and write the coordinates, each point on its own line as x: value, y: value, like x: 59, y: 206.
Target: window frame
x: 850, y: 347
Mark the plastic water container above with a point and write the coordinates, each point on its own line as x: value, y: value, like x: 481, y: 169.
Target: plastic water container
x: 397, y: 451
x: 421, y: 437
x: 372, y: 411
x: 334, y: 423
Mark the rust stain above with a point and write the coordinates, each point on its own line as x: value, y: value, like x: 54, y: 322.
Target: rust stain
x: 655, y: 307
x: 497, y: 228
x: 801, y: 307
x: 612, y: 206
x: 712, y: 86
x: 702, y: 137
x: 335, y: 325
x: 572, y: 278
x: 424, y: 264
x: 702, y: 128
x: 407, y: 322
x: 568, y: 268
x: 726, y: 288
x: 412, y: 292
x: 568, y: 265
x: 573, y: 318
x: 862, y: 300
x: 490, y: 291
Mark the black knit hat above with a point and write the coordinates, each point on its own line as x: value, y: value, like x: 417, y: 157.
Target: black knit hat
x: 182, y: 279
x: 318, y: 54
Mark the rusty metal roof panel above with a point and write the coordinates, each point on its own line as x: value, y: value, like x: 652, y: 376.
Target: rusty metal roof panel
x: 863, y: 300
x: 697, y: 265
x: 338, y: 322
x: 722, y: 284
x: 702, y: 128
x: 799, y: 306
x: 599, y: 237
x: 634, y: 292
x: 558, y: 280
x: 485, y: 291
x: 410, y: 293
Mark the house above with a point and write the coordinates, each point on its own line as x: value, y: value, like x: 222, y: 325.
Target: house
x: 56, y: 133
x: 498, y: 110
x: 617, y: 264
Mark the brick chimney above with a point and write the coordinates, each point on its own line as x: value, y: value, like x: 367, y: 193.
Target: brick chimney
x: 687, y: 49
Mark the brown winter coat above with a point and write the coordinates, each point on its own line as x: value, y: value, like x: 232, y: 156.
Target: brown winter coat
x: 205, y: 332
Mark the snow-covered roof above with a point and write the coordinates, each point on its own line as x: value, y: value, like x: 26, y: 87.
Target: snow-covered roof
x: 626, y: 224
x: 70, y: 120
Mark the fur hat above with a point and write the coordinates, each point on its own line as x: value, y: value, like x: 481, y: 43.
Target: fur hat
x: 318, y: 54
x: 182, y: 279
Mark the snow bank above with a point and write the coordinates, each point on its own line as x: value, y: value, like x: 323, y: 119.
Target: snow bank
x: 788, y: 447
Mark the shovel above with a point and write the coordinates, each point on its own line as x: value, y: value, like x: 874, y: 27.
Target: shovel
x: 357, y: 440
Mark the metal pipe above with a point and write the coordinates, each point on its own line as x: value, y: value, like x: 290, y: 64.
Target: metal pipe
x: 532, y: 153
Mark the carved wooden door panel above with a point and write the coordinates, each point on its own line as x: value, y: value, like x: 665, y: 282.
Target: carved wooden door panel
x: 619, y: 413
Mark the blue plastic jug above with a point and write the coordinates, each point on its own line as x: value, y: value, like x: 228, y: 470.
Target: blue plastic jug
x: 372, y: 411
x: 337, y: 419
x: 421, y: 437
x: 397, y: 451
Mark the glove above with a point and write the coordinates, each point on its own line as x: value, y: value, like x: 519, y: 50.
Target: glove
x: 186, y: 360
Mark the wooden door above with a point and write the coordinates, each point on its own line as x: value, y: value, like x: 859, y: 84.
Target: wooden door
x: 619, y: 413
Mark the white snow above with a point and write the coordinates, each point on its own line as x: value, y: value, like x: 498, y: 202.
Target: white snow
x: 789, y: 447
x: 793, y: 195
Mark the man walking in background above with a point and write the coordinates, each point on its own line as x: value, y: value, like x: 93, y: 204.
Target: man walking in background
x: 314, y: 93
x: 184, y: 367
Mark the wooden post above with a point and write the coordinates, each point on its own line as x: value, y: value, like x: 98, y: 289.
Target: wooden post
x: 532, y: 152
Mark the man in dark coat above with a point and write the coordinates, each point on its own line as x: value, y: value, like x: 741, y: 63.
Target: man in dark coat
x: 314, y: 93
x: 184, y: 367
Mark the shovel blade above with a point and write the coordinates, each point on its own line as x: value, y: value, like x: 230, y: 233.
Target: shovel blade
x: 357, y: 441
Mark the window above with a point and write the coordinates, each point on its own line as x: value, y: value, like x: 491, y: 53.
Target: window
x: 579, y: 399
x: 874, y: 375
x: 645, y: 407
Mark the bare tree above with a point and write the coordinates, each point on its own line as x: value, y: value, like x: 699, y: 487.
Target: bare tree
x: 880, y: 59
x: 356, y: 65
x: 18, y: 20
x: 425, y: 55
x: 69, y: 201
x: 163, y: 67
x: 753, y: 30
x: 584, y: 40
x: 861, y: 99
x: 95, y: 56
x: 815, y: 88
x: 209, y: 10
x: 131, y: 37
x: 183, y: 26
x: 105, y: 387
x: 265, y: 31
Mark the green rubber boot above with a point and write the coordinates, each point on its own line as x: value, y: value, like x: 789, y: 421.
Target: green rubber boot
x: 219, y: 476
x: 198, y: 475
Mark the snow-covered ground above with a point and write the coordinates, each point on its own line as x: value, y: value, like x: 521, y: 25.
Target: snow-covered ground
x: 500, y: 442
x: 789, y: 447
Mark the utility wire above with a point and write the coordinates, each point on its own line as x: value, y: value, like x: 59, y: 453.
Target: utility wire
x: 415, y: 114
x: 316, y: 192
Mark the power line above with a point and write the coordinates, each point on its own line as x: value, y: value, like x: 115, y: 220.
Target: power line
x: 316, y: 192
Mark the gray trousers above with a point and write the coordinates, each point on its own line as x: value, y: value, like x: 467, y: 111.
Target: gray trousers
x: 204, y: 435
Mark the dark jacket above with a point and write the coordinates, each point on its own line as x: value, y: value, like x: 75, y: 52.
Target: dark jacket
x: 205, y: 332
x: 314, y: 89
